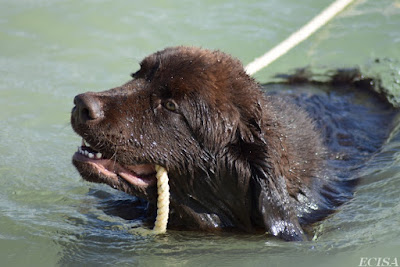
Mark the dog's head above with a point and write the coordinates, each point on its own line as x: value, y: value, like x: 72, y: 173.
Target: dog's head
x: 197, y: 113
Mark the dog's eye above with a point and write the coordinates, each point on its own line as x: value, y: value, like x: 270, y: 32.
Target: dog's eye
x: 170, y: 105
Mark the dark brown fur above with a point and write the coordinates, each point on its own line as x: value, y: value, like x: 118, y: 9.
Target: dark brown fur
x: 236, y: 158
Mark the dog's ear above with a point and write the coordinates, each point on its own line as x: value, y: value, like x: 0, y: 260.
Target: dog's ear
x: 258, y: 149
x: 272, y: 203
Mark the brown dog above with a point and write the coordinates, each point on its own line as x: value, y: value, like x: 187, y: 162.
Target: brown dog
x: 236, y: 158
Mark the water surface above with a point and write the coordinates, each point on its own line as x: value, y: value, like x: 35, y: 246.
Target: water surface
x: 52, y: 50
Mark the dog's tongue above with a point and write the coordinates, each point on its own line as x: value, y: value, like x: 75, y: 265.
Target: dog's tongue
x: 141, y: 175
x: 142, y: 169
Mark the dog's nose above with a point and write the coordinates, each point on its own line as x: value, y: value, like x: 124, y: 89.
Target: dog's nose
x: 87, y: 108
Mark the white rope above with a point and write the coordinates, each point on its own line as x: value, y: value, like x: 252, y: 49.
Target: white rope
x: 160, y: 226
x: 297, y: 37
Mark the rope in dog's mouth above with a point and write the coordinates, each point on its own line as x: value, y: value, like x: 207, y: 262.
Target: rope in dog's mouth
x: 160, y: 226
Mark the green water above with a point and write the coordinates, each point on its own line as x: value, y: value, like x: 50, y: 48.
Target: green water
x: 52, y: 50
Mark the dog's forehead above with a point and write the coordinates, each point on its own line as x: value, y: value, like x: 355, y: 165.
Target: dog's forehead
x: 172, y: 61
x: 169, y: 70
x: 179, y: 72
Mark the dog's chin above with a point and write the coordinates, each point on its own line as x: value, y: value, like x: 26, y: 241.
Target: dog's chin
x: 139, y: 180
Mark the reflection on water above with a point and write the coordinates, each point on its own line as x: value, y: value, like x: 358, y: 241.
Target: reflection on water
x: 53, y: 50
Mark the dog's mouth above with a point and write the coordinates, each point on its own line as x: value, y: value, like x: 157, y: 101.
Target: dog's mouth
x: 96, y: 168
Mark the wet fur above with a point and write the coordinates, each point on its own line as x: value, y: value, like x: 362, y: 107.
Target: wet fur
x: 236, y: 157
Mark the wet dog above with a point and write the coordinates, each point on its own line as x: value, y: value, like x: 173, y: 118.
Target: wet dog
x: 236, y: 157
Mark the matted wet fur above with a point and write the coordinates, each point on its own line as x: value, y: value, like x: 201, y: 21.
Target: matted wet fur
x: 236, y: 158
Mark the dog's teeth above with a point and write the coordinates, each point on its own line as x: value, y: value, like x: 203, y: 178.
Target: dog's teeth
x: 85, y: 143
x: 99, y: 155
x: 90, y: 155
x: 86, y: 152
